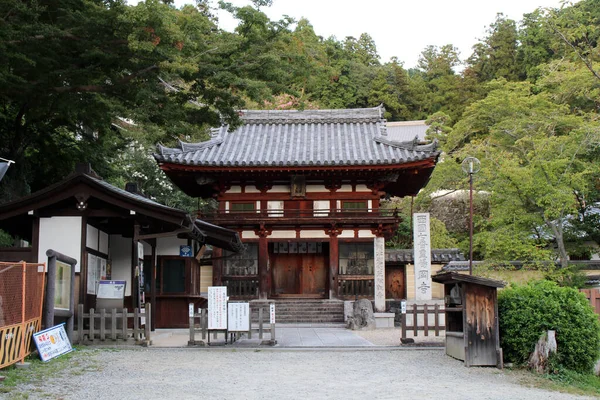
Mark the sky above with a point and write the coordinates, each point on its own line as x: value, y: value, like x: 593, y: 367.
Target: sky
x: 400, y: 28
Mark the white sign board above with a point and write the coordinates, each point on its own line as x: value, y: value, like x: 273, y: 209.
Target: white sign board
x: 111, y: 290
x: 403, y: 306
x: 238, y: 317
x: 422, y: 256
x: 191, y: 310
x: 217, y: 307
x: 52, y: 342
x: 272, y: 313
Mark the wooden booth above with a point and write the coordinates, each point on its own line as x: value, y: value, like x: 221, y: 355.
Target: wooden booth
x: 303, y: 189
x: 472, y: 332
x: 116, y: 234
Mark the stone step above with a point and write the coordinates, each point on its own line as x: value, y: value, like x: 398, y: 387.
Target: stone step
x: 318, y: 311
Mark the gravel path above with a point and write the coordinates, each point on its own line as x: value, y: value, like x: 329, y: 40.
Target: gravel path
x: 278, y: 374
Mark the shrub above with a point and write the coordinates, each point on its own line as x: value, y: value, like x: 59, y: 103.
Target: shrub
x: 527, y: 311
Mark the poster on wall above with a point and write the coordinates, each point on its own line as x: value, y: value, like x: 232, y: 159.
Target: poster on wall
x: 52, y: 342
x: 217, y: 307
x: 111, y: 290
x: 422, y: 256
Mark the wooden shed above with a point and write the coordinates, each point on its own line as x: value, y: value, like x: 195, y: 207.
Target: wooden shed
x: 472, y: 333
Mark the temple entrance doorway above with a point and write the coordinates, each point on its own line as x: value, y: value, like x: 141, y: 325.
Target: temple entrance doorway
x: 299, y: 269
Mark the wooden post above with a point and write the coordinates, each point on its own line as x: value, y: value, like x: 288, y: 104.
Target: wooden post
x: 148, y: 326
x: 113, y: 324
x: 415, y: 320
x: 273, y: 341
x: 436, y: 310
x: 80, y: 323
x: 124, y: 323
x: 153, y: 284
x: 263, y: 264
x: 403, y: 319
x: 102, y: 324
x: 192, y: 340
x: 426, y: 319
x: 23, y: 297
x: 250, y: 324
x: 260, y: 323
x: 92, y: 335
x: 333, y: 265
x: 136, y: 324
x: 217, y: 266
x: 204, y: 322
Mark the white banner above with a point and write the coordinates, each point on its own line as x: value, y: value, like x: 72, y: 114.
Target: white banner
x: 217, y: 307
x: 422, y: 256
x: 238, y: 317
x: 272, y: 313
x: 52, y: 342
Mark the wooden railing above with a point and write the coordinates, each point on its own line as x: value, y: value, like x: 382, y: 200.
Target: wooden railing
x: 113, y: 324
x: 241, y: 286
x: 593, y: 296
x: 286, y: 216
x: 356, y: 286
x: 425, y: 310
x: 199, y: 324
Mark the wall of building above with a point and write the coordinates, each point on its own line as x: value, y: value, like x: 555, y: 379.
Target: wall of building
x: 120, y: 255
x: 62, y: 234
x: 169, y: 246
x: 437, y: 289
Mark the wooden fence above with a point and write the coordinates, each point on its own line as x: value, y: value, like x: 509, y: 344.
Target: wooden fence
x: 593, y: 296
x: 201, y: 326
x: 113, y: 325
x: 425, y: 310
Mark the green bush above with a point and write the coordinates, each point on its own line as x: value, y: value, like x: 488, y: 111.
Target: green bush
x: 527, y: 311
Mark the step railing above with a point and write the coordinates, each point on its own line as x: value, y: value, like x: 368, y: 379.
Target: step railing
x: 356, y: 286
x: 199, y: 324
x: 113, y: 325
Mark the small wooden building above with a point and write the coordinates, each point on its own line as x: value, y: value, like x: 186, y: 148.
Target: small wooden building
x: 116, y: 234
x: 472, y: 331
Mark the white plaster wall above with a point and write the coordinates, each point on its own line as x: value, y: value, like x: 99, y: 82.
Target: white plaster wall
x: 235, y: 189
x: 306, y: 234
x: 348, y: 233
x: 316, y: 188
x: 251, y: 189
x: 103, y: 248
x: 249, y: 235
x: 345, y: 188
x: 62, y: 234
x: 169, y: 246
x: 365, y: 233
x: 321, y: 208
x: 91, y: 239
x: 362, y: 188
x: 277, y: 206
x: 279, y: 189
x: 283, y: 235
x: 120, y: 256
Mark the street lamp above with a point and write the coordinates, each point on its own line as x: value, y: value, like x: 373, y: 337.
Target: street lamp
x: 470, y: 166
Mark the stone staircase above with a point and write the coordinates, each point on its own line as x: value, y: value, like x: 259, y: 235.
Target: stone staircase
x: 304, y: 311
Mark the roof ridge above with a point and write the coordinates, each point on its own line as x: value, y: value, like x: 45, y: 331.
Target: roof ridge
x: 373, y: 114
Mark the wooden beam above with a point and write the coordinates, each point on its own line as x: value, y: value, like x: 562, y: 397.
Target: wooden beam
x: 163, y: 234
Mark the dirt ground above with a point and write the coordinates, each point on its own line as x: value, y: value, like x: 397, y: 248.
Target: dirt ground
x: 227, y: 373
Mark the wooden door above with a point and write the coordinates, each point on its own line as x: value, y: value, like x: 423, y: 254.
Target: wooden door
x: 314, y: 274
x: 286, y: 274
x: 395, y: 284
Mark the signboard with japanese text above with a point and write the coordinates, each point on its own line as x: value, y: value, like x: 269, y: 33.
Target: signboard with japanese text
x: 52, y: 342
x: 185, y: 251
x: 111, y: 290
x: 238, y: 317
x: 217, y: 307
x: 272, y: 313
x: 422, y: 256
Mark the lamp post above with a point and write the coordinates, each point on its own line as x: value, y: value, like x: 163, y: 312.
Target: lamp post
x: 470, y: 166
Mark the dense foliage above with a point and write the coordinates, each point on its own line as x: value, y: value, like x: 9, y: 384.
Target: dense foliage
x: 526, y: 312
x: 104, y: 81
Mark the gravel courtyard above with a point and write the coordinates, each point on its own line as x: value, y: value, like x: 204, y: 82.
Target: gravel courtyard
x: 277, y: 374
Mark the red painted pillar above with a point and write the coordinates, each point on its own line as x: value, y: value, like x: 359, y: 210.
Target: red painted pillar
x: 217, y: 266
x: 333, y: 265
x: 264, y: 285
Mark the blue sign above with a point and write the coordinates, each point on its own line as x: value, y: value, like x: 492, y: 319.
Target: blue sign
x: 185, y: 251
x: 52, y: 342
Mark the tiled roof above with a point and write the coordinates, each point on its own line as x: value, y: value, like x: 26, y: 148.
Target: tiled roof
x: 438, y: 256
x: 300, y: 138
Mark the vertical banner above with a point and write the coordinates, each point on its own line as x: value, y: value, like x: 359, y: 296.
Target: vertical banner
x: 379, y: 252
x: 422, y: 256
x: 217, y: 307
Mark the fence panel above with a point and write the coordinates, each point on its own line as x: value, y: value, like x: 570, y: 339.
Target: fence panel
x: 593, y: 296
x: 21, y: 297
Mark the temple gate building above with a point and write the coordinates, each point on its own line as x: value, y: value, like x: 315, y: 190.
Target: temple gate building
x: 303, y: 189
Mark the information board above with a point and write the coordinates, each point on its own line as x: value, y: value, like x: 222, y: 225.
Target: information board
x: 111, y: 290
x: 52, y: 342
x: 238, y: 317
x: 217, y: 307
x: 272, y: 313
x: 422, y: 255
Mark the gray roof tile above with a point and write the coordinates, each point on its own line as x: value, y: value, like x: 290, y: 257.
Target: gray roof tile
x: 300, y: 138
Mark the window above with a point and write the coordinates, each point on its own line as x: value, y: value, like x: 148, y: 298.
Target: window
x: 354, y: 205
x: 356, y: 258
x: 173, y: 275
x: 243, y: 207
x: 245, y: 263
x: 63, y: 286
